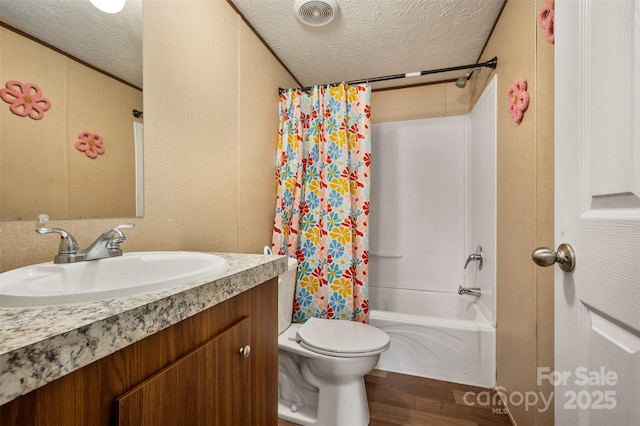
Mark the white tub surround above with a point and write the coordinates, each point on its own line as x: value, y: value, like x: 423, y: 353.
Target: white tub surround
x: 443, y: 336
x: 433, y: 202
x: 41, y: 344
x: 481, y: 193
x: 417, y: 232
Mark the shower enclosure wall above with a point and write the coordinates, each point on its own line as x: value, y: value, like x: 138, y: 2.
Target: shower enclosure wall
x: 433, y: 198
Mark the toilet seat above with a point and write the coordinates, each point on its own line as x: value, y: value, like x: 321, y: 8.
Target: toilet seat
x: 344, y: 339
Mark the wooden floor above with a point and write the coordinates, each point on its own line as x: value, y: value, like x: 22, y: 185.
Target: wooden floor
x: 397, y: 399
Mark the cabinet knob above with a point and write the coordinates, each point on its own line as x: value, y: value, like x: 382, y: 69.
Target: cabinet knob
x: 245, y: 351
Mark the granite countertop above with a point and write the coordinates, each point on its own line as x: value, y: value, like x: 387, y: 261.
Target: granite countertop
x: 41, y: 344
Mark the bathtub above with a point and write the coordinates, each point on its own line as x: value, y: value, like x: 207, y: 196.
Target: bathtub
x: 442, y: 336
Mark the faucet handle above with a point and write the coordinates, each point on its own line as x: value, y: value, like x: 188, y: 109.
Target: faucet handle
x: 68, y: 250
x: 476, y: 257
x: 125, y: 226
x: 117, y: 229
x: 115, y: 240
x: 68, y: 244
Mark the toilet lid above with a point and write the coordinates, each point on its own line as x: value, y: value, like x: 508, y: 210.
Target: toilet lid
x: 342, y: 338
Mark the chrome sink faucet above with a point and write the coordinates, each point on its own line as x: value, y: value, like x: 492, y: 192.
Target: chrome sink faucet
x: 106, y: 245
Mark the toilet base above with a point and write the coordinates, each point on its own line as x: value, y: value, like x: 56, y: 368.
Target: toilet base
x: 344, y: 405
x: 305, y: 415
x: 307, y: 397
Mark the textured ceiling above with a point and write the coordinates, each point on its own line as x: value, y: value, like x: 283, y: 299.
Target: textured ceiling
x: 371, y: 38
x: 110, y: 42
x: 368, y: 38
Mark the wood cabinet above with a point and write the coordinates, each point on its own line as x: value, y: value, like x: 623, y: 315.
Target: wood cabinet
x: 191, y: 373
x: 206, y: 386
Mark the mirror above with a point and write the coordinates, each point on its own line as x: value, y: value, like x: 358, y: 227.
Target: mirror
x: 82, y: 70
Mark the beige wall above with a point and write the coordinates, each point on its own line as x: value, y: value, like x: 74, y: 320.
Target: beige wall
x: 436, y: 100
x: 525, y: 206
x: 545, y: 181
x: 209, y: 154
x: 39, y: 160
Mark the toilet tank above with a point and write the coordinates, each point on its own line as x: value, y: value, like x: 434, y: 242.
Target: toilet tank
x: 286, y: 289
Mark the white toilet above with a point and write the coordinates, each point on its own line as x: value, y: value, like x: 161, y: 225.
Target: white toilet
x: 322, y: 364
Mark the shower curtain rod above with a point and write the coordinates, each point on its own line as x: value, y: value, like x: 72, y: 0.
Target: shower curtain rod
x: 491, y: 63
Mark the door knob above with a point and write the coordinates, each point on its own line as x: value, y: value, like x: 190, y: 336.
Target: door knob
x: 565, y: 257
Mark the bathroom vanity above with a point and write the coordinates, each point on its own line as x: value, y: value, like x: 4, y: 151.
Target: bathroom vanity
x: 202, y: 353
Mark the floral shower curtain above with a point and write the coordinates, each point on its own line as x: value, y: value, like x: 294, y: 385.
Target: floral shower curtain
x: 322, y: 209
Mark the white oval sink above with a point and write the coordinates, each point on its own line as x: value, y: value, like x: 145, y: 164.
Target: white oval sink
x: 91, y: 281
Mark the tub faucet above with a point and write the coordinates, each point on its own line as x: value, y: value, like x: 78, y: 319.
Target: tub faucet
x: 472, y: 291
x: 476, y: 257
x: 107, y: 244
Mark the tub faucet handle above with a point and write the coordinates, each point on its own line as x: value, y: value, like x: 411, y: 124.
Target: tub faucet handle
x: 475, y: 257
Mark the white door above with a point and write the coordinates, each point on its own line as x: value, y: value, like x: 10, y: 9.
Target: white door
x: 597, y: 184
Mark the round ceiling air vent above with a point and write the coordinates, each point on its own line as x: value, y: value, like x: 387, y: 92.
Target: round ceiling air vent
x: 316, y: 12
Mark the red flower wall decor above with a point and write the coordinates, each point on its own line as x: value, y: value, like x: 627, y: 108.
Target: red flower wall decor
x: 90, y: 144
x: 547, y: 20
x: 25, y: 99
x: 518, y: 100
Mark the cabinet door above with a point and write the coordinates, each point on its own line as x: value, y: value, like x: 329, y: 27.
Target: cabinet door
x: 208, y: 386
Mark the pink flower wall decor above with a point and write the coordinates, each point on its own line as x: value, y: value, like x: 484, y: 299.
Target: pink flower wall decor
x: 547, y: 20
x: 90, y: 144
x: 25, y: 99
x: 519, y: 100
